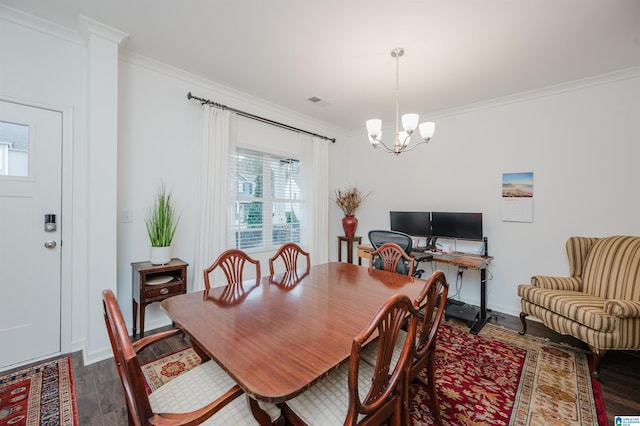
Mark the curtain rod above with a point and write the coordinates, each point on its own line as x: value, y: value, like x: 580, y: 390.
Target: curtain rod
x: 258, y: 118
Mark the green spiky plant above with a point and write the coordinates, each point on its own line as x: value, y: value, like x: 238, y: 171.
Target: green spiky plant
x: 162, y: 219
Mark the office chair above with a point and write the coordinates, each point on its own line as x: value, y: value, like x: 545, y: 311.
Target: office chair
x: 380, y: 236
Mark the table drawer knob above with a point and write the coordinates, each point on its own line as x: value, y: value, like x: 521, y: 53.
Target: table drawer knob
x: 164, y: 291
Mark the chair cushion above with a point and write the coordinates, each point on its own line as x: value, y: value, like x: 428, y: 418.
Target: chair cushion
x: 326, y: 402
x: 583, y: 308
x: 197, y: 388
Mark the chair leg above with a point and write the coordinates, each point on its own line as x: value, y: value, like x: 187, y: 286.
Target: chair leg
x: 396, y: 416
x: 430, y: 383
x: 598, y: 354
x: 431, y: 368
x: 524, y: 323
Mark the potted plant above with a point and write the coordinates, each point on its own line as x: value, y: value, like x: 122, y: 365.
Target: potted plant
x: 349, y: 199
x: 161, y: 222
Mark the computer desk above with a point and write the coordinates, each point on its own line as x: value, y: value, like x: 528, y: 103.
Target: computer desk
x: 461, y: 260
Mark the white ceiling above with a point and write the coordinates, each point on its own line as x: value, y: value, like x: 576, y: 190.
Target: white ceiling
x: 285, y: 51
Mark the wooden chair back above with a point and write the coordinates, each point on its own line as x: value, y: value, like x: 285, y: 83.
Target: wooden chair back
x: 434, y: 298
x: 232, y: 263
x: 386, y: 396
x: 289, y: 253
x: 127, y: 362
x: 388, y: 256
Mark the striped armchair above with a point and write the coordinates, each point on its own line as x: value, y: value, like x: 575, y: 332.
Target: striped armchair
x: 599, y: 303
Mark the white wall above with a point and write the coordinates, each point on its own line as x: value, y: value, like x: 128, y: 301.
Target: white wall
x: 579, y: 140
x: 159, y: 140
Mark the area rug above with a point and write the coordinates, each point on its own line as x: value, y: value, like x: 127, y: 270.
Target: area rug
x: 42, y: 394
x: 495, y: 378
x: 163, y: 370
x: 501, y: 378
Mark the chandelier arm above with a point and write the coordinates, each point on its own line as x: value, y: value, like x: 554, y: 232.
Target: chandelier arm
x: 410, y: 148
x: 384, y: 146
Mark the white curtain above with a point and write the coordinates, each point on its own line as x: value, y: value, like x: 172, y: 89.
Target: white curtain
x: 217, y: 141
x: 319, y: 244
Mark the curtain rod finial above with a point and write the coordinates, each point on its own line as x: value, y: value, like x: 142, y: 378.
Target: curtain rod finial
x: 189, y: 95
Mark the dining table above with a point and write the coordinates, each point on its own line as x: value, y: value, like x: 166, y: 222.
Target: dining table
x: 278, y: 335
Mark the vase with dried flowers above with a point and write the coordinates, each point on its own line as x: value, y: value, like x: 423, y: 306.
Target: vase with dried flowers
x: 349, y: 199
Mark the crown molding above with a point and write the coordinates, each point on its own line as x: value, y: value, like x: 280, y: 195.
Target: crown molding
x: 584, y: 83
x: 233, y: 97
x: 88, y: 26
x: 593, y: 81
x: 38, y: 24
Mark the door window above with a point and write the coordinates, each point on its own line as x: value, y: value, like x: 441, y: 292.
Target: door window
x: 14, y: 149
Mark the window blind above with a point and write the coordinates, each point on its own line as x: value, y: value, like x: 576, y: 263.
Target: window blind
x: 268, y: 199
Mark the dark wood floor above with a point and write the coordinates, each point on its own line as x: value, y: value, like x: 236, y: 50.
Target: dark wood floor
x: 100, y: 400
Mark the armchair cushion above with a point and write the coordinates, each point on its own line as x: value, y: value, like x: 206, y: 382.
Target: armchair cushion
x: 582, y: 308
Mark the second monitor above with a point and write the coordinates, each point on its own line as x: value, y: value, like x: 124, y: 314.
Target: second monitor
x: 463, y: 226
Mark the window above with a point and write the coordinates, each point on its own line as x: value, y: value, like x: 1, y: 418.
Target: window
x: 14, y: 149
x: 268, y: 199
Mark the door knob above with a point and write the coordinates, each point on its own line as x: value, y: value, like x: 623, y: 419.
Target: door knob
x: 50, y: 244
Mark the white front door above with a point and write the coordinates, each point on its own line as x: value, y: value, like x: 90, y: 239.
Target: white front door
x: 30, y: 249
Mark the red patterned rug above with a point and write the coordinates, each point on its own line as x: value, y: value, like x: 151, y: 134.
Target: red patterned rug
x: 43, y: 394
x: 502, y: 378
x: 495, y: 378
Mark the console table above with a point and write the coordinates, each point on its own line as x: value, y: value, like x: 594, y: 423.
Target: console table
x: 349, y: 241
x: 461, y: 260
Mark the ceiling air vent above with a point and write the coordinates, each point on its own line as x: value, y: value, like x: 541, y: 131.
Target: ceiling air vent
x: 318, y: 101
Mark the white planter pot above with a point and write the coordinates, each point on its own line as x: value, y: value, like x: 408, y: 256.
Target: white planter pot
x: 160, y: 255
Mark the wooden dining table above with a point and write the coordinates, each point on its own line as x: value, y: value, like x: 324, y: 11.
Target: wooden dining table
x: 278, y: 335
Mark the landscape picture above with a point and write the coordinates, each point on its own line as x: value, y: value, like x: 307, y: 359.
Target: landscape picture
x: 517, y: 185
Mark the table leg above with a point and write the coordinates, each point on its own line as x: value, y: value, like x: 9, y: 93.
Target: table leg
x: 350, y: 251
x: 482, y: 320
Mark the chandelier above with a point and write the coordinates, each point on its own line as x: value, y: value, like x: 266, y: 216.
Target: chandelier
x: 409, y: 123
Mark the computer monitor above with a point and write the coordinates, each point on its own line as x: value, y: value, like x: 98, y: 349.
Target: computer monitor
x: 416, y: 224
x: 463, y: 226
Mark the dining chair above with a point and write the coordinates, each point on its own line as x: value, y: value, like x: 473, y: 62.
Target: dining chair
x: 289, y: 253
x: 232, y: 263
x: 391, y: 257
x: 431, y: 303
x: 202, y: 395
x: 358, y: 393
